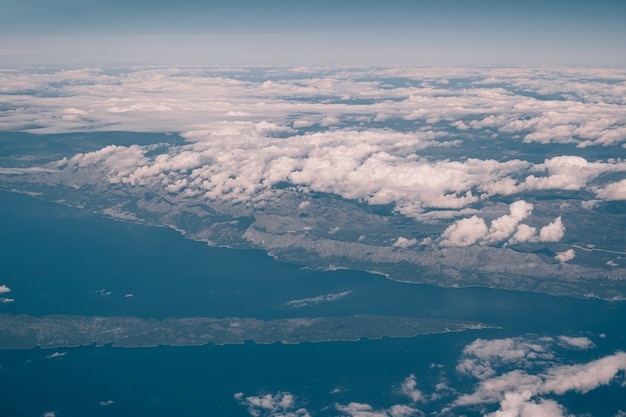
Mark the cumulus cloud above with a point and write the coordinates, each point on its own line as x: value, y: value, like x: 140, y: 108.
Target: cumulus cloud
x: 409, y: 388
x: 581, y: 343
x: 565, y: 256
x: 365, y: 410
x: 507, y: 228
x: 583, y: 378
x: 481, y: 357
x: 465, y: 232
x: 403, y: 242
x: 281, y: 404
x: 520, y: 404
x: 612, y: 192
x: 4, y: 289
x: 553, y: 232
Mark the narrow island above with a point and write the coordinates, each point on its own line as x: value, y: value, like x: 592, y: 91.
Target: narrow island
x: 19, y: 331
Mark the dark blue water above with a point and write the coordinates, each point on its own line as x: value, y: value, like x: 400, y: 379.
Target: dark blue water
x: 59, y: 260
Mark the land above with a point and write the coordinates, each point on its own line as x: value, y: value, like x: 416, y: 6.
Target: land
x: 19, y: 331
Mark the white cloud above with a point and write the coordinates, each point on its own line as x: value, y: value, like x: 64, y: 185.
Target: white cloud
x: 355, y: 409
x: 4, y: 289
x: 6, y: 300
x: 465, y: 232
x: 507, y: 228
x: 583, y: 378
x: 56, y: 355
x: 581, y: 343
x: 107, y: 403
x: 565, y: 256
x: 482, y: 356
x: 614, y: 191
x: 403, y: 242
x: 409, y: 389
x: 553, y: 232
x: 281, y: 404
x: 250, y: 140
x: 518, y: 373
x: 520, y: 404
x: 523, y: 376
x: 360, y: 410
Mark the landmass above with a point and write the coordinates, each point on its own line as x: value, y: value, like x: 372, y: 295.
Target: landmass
x: 19, y: 331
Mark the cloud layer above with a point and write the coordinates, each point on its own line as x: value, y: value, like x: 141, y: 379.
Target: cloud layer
x: 465, y: 157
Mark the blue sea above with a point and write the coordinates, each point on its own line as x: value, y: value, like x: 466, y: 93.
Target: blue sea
x: 61, y: 260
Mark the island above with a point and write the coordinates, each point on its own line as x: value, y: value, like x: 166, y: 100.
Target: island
x: 19, y: 331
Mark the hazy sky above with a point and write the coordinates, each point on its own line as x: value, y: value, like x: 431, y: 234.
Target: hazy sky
x: 322, y: 32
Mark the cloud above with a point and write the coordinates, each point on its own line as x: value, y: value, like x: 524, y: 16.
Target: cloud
x: 514, y: 377
x: 566, y: 256
x: 517, y: 373
x: 4, y: 289
x: 409, y: 389
x: 613, y: 191
x: 481, y: 357
x: 581, y: 343
x: 583, y: 378
x: 264, y: 142
x: 282, y: 404
x: 465, y: 232
x: 6, y: 300
x: 107, y: 403
x: 56, y: 355
x: 403, y: 242
x: 507, y: 228
x: 305, y: 302
x: 553, y: 232
x: 517, y: 404
x: 365, y: 410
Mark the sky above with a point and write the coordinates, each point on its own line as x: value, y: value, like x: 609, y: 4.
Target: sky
x: 323, y: 32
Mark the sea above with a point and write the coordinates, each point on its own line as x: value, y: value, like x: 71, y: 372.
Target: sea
x: 63, y: 260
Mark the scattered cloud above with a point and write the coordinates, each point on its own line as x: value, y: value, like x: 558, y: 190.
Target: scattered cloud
x: 517, y: 373
x: 56, y: 355
x: 282, y: 404
x: 482, y: 356
x: 513, y: 377
x: 365, y: 410
x: 504, y: 229
x: 4, y: 289
x: 107, y: 403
